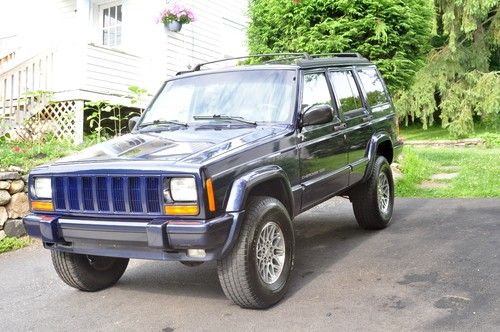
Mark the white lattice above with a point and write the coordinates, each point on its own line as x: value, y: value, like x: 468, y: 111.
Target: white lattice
x: 62, y: 120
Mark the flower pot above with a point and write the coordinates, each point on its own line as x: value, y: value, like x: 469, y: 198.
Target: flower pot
x: 173, y: 26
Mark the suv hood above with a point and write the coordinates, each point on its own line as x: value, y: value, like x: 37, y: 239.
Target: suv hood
x: 191, y: 144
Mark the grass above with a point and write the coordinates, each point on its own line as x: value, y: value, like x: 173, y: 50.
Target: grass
x: 27, y: 155
x: 414, y: 133
x: 478, y: 172
x: 12, y: 243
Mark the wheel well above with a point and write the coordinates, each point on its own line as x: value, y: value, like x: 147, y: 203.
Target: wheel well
x: 385, y: 149
x: 275, y: 188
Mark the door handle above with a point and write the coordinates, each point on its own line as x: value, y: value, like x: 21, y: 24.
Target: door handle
x: 367, y: 118
x: 340, y: 126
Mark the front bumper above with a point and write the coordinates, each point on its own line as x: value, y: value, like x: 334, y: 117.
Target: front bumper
x: 146, y: 239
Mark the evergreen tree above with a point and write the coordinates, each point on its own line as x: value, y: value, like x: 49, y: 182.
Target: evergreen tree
x: 394, y: 34
x: 461, y: 80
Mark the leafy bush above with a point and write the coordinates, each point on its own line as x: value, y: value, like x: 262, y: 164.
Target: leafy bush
x: 12, y: 243
x: 28, y: 154
x: 461, y: 80
x: 392, y: 33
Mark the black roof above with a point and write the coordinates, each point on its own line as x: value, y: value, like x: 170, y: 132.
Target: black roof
x: 302, y: 60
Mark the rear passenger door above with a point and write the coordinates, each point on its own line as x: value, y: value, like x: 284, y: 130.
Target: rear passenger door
x: 357, y: 117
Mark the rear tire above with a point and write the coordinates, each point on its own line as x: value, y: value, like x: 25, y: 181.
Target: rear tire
x: 255, y: 273
x: 88, y: 273
x: 373, y: 200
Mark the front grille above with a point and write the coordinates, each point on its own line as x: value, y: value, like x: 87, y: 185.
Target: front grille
x: 109, y: 194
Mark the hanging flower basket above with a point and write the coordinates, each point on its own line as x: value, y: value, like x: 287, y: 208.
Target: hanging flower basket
x: 174, y: 26
x: 174, y: 16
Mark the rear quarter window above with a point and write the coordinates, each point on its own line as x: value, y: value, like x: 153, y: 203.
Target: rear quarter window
x: 373, y: 86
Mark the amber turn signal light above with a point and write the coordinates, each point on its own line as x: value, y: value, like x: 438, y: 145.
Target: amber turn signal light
x: 181, y: 210
x: 42, y: 205
x: 210, y: 195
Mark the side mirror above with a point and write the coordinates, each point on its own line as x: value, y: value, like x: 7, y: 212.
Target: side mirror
x: 317, y: 114
x: 132, y: 122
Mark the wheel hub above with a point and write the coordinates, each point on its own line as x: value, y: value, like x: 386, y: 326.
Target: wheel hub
x: 383, y: 193
x: 270, y: 253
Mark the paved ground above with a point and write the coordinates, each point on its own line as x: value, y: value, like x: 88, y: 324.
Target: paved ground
x: 435, y: 267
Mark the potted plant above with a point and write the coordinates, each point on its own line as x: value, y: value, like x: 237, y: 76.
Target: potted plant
x: 174, y: 16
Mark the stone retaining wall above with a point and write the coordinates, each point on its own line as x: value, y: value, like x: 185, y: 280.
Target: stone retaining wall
x: 13, y: 202
x: 439, y: 143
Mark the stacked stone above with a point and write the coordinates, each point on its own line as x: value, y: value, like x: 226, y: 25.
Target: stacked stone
x: 13, y: 202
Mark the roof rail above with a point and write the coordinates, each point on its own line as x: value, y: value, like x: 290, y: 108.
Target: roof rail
x: 339, y: 55
x: 302, y: 55
x: 289, y: 56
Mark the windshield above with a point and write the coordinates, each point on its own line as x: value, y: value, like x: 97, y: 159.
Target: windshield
x: 253, y: 95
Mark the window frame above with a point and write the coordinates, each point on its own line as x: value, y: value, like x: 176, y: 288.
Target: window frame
x: 378, y: 107
x: 300, y: 111
x: 311, y: 72
x: 363, y: 110
x: 98, y: 9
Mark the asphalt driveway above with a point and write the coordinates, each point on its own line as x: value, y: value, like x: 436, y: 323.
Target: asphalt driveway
x: 435, y: 267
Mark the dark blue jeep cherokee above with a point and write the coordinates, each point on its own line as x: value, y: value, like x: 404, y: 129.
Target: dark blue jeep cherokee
x: 217, y: 167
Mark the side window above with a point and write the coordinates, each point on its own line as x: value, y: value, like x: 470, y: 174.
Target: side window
x: 315, y: 91
x: 346, y: 90
x: 373, y: 86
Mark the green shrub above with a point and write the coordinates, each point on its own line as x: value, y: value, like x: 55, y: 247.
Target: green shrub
x: 392, y: 33
x: 12, y: 243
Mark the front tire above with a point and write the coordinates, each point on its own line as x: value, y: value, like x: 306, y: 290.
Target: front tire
x: 255, y: 273
x: 88, y: 273
x: 373, y: 200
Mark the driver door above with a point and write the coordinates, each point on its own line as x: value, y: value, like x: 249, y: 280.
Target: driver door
x: 323, y: 153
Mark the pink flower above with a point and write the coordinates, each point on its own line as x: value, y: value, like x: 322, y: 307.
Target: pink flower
x: 176, y: 12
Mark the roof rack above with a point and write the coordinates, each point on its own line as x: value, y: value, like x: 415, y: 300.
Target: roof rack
x: 302, y: 55
x: 338, y: 55
x: 289, y: 56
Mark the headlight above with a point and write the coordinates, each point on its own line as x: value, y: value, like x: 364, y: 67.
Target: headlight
x: 42, y: 188
x: 183, y: 190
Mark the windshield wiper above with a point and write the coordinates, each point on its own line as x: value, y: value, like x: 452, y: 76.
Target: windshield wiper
x: 162, y: 123
x: 224, y: 117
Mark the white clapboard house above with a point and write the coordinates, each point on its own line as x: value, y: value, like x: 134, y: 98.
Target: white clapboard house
x: 87, y: 50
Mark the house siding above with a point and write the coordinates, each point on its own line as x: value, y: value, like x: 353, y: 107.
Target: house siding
x: 110, y: 72
x: 148, y: 54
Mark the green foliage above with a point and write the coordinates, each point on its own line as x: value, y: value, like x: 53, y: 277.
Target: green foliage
x: 12, y: 243
x: 99, y: 110
x: 392, y: 33
x: 28, y: 154
x: 415, y: 133
x: 460, y: 81
x: 38, y: 95
x: 491, y: 140
x: 477, y: 168
x: 104, y: 112
x: 136, y: 96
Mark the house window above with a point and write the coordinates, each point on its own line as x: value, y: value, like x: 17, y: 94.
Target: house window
x: 111, y: 24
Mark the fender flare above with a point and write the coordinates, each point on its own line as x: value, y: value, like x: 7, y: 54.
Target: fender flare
x: 239, y: 193
x: 375, y: 141
x: 244, y: 184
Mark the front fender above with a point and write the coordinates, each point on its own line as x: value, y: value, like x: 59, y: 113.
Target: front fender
x: 244, y: 184
x: 239, y: 194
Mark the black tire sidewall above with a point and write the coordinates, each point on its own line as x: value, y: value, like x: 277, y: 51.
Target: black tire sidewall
x: 383, y: 166
x: 77, y: 271
x: 271, y: 293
